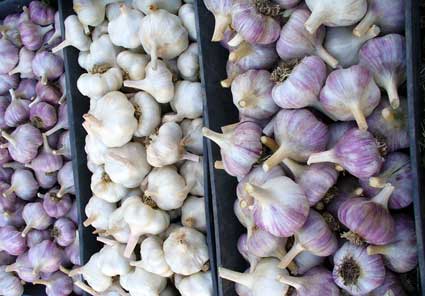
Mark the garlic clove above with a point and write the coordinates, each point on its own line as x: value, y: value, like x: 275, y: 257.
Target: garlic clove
x: 98, y: 211
x: 98, y: 85
x: 141, y: 282
x: 106, y: 189
x: 199, y: 284
x: 74, y: 35
x: 192, y: 135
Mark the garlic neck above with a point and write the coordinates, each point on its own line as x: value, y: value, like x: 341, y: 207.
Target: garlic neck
x: 296, y: 282
x: 275, y: 159
x: 376, y: 250
x: 383, y: 197
x: 296, y: 169
x: 236, y: 277
x: 259, y: 194
x: 368, y: 20
x: 217, y: 138
x: 242, y: 51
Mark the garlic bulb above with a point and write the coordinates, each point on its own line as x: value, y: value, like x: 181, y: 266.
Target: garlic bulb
x: 102, y: 29
x: 117, y: 227
x: 187, y: 101
x: 152, y: 257
x: 74, y: 35
x: 95, y: 150
x: 98, y: 211
x: 143, y: 283
x: 133, y: 64
x: 169, y: 5
x: 123, y: 30
x: 193, y: 213
x: 192, y: 135
x: 111, y: 261
x: 112, y: 120
x: 158, y: 82
x: 95, y: 86
x: 167, y: 187
x: 101, y: 56
x: 92, y: 274
x: 127, y: 165
x: 167, y: 147
x: 103, y: 187
x: 193, y: 174
x: 147, y: 112
x: 162, y: 35
x: 186, y: 251
x: 187, y: 15
x: 199, y: 284
x: 91, y: 13
x: 188, y: 63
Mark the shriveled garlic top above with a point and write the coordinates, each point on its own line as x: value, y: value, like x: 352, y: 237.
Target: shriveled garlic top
x: 95, y: 86
x: 124, y: 28
x: 147, y: 113
x: 193, y: 173
x: 133, y: 64
x: 187, y: 101
x: 199, y: 284
x: 103, y: 187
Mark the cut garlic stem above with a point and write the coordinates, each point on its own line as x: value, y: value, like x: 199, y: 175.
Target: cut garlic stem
x: 238, y: 39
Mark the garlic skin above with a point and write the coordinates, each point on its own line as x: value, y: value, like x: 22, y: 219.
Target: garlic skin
x: 186, y: 251
x: 187, y: 15
x: 91, y: 273
x: 247, y: 255
x: 103, y: 187
x: 98, y: 211
x: 152, y: 257
x: 158, y: 82
x: 221, y: 10
x: 95, y: 86
x: 101, y: 56
x: 162, y: 35
x: 334, y: 14
x: 193, y: 173
x: 95, y: 150
x: 147, y: 113
x: 124, y: 29
x: 252, y: 94
x: 187, y: 101
x: 253, y: 56
x: 141, y: 282
x: 91, y: 13
x: 112, y: 131
x: 74, y: 35
x: 171, y: 6
x: 111, y: 261
x: 167, y: 188
x: 193, y: 213
x: 102, y: 28
x: 127, y: 165
x: 192, y: 135
x: 188, y: 63
x: 351, y: 94
x: 133, y: 64
x: 117, y: 227
x: 199, y: 284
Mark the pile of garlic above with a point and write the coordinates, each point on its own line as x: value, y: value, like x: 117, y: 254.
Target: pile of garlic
x: 144, y: 147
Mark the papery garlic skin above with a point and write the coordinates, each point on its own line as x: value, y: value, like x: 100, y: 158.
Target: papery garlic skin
x: 187, y: 15
x: 95, y: 150
x: 104, y: 188
x: 141, y: 282
x: 98, y: 85
x: 186, y: 251
x: 133, y: 64
x: 196, y: 284
x: 9, y: 56
x: 187, y: 101
x: 101, y: 56
x: 98, y: 211
x: 94, y: 277
x: 91, y: 13
x: 74, y: 35
x: 193, y: 213
x: 111, y: 261
x: 147, y: 113
x: 123, y: 30
x: 188, y: 63
x: 193, y: 173
x: 192, y: 135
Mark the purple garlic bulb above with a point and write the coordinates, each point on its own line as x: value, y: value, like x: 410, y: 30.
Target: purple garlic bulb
x: 41, y: 13
x: 302, y: 87
x: 46, y: 161
x: 43, y: 115
x: 12, y: 217
x: 221, y: 10
x: 390, y: 126
x: 6, y: 259
x: 46, y: 180
x: 240, y: 147
x: 4, y: 103
x: 12, y: 241
x: 299, y: 134
x: 24, y: 67
x: 252, y: 94
x: 280, y: 206
x: 22, y: 267
x: 47, y: 66
x: 357, y: 151
x: 317, y: 281
x: 23, y: 142
x: 246, y: 253
x: 11, y: 20
x: 55, y: 38
x: 295, y: 42
x: 4, y: 156
x: 73, y: 212
x: 9, y: 203
x: 9, y: 56
x: 386, y: 59
x: 337, y: 130
x: 47, y: 93
x: 254, y: 56
x: 63, y: 232
x: 401, y: 254
x: 251, y: 25
x: 58, y: 284
x: 347, y: 187
x: 55, y: 206
x: 387, y: 14
x: 23, y: 184
x: 398, y: 172
x: 315, y: 237
x: 8, y: 82
x: 5, y: 174
x: 64, y: 146
x: 316, y: 180
x: 45, y: 257
x: 350, y: 94
x: 306, y: 261
x: 232, y: 70
x: 66, y: 180
x: 17, y: 112
x: 26, y: 89
x: 391, y: 283
x: 263, y: 244
x: 35, y: 237
x: 368, y: 219
x: 62, y: 120
x: 355, y: 271
x: 73, y: 251
x: 32, y: 34
x: 35, y: 217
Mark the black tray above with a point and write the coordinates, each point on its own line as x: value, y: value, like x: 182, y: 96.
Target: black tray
x: 219, y: 111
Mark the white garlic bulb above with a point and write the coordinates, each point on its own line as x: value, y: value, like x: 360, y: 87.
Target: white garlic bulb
x: 95, y: 150
x: 147, y: 113
x: 193, y: 213
x: 158, y: 82
x: 186, y: 251
x: 103, y: 187
x: 188, y: 63
x: 98, y: 211
x: 192, y: 135
x: 199, y: 284
x: 74, y: 35
x: 167, y: 147
x: 167, y: 188
x: 91, y: 13
x: 162, y: 35
x: 152, y: 257
x: 112, y: 120
x: 98, y: 31
x: 124, y: 29
x: 97, y: 85
x: 169, y: 5
x: 92, y: 274
x: 143, y: 283
x: 113, y: 10
x: 111, y: 261
x: 117, y: 227
x: 187, y: 15
x: 91, y: 165
x: 187, y: 101
x: 193, y: 174
x: 127, y: 165
x: 133, y: 64
x: 102, y: 56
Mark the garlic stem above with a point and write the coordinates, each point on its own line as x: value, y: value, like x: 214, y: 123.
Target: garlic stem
x: 237, y: 277
x: 235, y: 41
x: 377, y: 182
x: 218, y: 165
x: 295, y: 282
x: 325, y: 156
x: 75, y: 271
x: 44, y: 79
x: 12, y: 94
x: 314, y: 21
x: 86, y: 288
x: 89, y: 221
x: 226, y: 83
x: 61, y: 46
x: 217, y: 138
x: 383, y: 197
x: 27, y: 229
x: 221, y: 24
x: 15, y: 70
x: 8, y: 137
x: 91, y: 123
x: 269, y: 143
x: 339, y: 168
x: 275, y: 159
x: 41, y: 282
x: 229, y: 128
x: 9, y: 191
x: 189, y: 156
x: 243, y: 50
x: 359, y: 116
x: 131, y: 245
x: 37, y: 99
x: 257, y: 192
x: 391, y: 88
x: 106, y: 241
x: 137, y: 84
x: 296, y: 169
x: 326, y: 56
x: 365, y: 24
x: 375, y: 250
x: 296, y: 249
x: 11, y: 267
x: 46, y: 146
